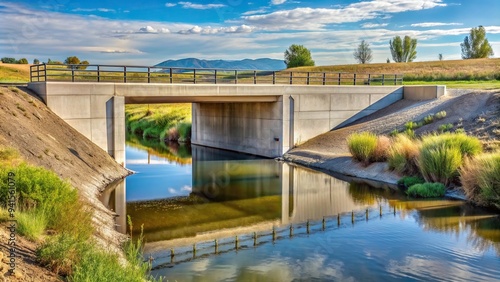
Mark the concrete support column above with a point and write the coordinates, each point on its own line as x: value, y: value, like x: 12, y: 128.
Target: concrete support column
x: 118, y: 132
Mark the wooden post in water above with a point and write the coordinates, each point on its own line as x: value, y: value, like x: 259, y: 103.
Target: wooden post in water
x: 338, y: 219
x: 352, y: 217
x: 307, y: 226
x: 324, y: 223
x: 255, y: 238
x: 394, y: 210
x: 381, y: 211
x: 216, y: 246
x: 366, y: 214
x: 194, y: 250
x: 236, y: 242
x: 274, y: 234
x: 291, y: 230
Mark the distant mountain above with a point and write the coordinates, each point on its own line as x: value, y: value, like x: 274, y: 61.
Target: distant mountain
x: 246, y: 64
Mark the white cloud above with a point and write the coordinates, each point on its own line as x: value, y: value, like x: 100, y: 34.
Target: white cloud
x: 172, y: 191
x: 189, y: 5
x: 186, y: 188
x: 150, y: 29
x: 373, y: 25
x: 104, y: 10
x: 260, y: 11
x: 169, y: 5
x: 432, y: 24
x: 215, y: 30
x: 318, y: 18
x: 277, y: 2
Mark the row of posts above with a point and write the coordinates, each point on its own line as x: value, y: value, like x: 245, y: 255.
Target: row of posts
x: 274, y: 232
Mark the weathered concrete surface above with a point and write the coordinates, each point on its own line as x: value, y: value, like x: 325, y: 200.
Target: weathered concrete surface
x: 265, y: 120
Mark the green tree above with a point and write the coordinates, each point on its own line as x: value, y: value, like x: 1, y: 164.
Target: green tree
x: 476, y: 45
x: 83, y: 65
x: 403, y: 50
x: 22, y: 61
x: 72, y: 61
x: 363, y: 54
x: 298, y: 56
x: 440, y: 56
x: 8, y: 60
x: 36, y: 61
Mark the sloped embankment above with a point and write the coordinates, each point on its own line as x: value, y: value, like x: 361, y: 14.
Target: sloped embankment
x: 43, y: 139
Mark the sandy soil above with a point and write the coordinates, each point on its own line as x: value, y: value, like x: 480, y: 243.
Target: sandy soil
x: 43, y: 139
x: 478, y: 112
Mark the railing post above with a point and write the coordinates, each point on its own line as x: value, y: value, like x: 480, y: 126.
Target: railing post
x: 45, y: 71
x: 291, y: 77
x: 307, y: 81
x: 235, y: 76
x: 98, y: 74
x: 72, y: 73
x: 125, y: 74
x: 395, y: 79
x: 354, y: 79
x: 254, y: 77
x: 37, y: 72
x: 194, y: 76
x: 149, y: 74
x: 369, y: 79
x: 171, y: 77
x: 274, y: 77
x: 324, y: 78
x: 339, y: 78
x: 215, y: 76
x: 383, y: 79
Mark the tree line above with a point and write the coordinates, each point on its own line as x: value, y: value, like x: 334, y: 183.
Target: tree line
x: 475, y: 46
x: 72, y: 60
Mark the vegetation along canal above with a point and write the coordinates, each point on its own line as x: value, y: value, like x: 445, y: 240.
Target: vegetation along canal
x: 213, y: 215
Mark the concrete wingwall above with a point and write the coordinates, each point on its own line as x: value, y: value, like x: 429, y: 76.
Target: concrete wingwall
x: 265, y: 120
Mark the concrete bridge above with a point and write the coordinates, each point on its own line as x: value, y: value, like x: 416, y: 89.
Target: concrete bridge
x: 261, y: 119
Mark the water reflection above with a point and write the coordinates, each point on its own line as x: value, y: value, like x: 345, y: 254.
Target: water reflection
x: 233, y: 194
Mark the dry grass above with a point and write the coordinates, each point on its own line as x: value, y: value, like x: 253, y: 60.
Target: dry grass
x: 10, y: 73
x: 477, y: 69
x: 480, y: 178
x: 403, y: 153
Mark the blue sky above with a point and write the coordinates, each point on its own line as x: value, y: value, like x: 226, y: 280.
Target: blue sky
x: 148, y: 32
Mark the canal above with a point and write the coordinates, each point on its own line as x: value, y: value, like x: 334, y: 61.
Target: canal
x: 213, y: 215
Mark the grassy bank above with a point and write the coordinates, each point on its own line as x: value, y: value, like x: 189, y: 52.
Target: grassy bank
x: 159, y: 121
x: 14, y: 73
x: 440, y: 160
x: 50, y: 212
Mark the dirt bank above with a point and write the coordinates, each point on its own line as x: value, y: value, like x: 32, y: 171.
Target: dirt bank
x: 43, y: 139
x: 475, y: 111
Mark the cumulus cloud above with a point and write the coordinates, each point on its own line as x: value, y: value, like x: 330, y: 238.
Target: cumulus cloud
x: 150, y: 29
x: 186, y: 188
x: 373, y: 25
x: 317, y: 18
x: 189, y: 5
x: 169, y: 5
x: 214, y: 30
x: 432, y: 24
x: 277, y: 2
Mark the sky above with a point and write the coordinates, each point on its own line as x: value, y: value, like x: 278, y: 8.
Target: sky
x: 149, y: 32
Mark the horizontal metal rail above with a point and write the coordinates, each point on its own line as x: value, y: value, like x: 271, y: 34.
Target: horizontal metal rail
x: 156, y: 74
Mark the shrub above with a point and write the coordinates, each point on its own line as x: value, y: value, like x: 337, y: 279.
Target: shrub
x: 426, y: 190
x: 440, y: 115
x: 362, y: 146
x: 411, y: 125
x: 402, y: 155
x: 410, y: 133
x: 394, y: 133
x: 480, y: 178
x: 409, y: 181
x: 184, y: 129
x: 428, y: 119
x: 439, y: 163
x: 445, y: 127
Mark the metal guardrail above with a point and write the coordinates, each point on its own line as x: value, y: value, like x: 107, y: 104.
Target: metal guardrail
x: 156, y: 74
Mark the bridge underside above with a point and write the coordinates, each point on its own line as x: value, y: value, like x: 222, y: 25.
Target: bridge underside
x: 264, y: 120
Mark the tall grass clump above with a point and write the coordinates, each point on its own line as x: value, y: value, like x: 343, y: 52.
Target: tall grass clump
x: 402, y: 155
x: 468, y: 145
x: 439, y: 163
x: 427, y: 190
x: 32, y: 224
x: 480, y: 178
x: 366, y: 147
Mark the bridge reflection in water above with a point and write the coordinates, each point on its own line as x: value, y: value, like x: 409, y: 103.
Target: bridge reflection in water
x: 230, y: 195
